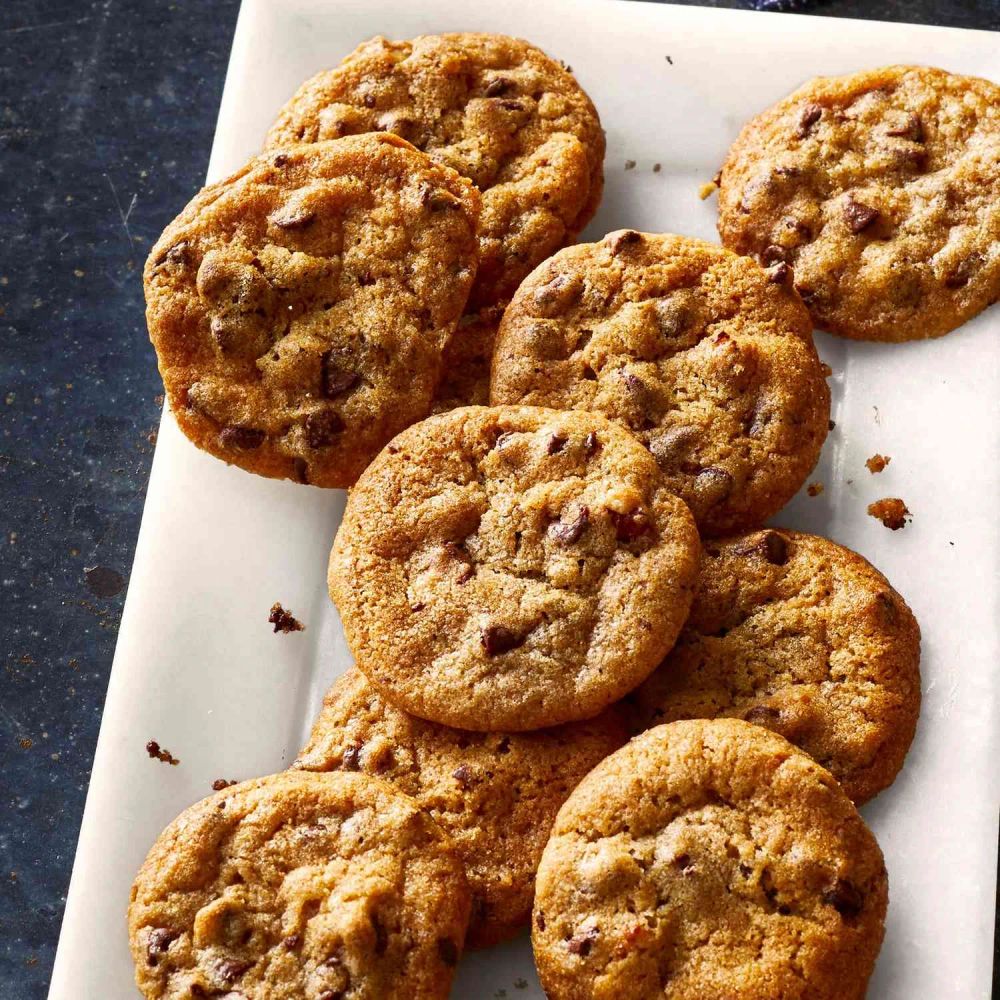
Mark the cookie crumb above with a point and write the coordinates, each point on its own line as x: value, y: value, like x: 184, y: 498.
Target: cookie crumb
x: 877, y: 463
x: 833, y: 423
x: 707, y: 190
x: 158, y: 753
x: 657, y: 167
x: 221, y: 783
x: 284, y: 621
x: 25, y: 743
x: 814, y: 489
x: 630, y: 164
x: 891, y: 511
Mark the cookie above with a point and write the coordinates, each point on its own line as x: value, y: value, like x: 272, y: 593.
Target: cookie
x: 512, y: 568
x: 798, y: 634
x: 704, y: 356
x: 495, y: 794
x: 300, y: 308
x: 497, y: 110
x: 709, y: 860
x: 881, y: 192
x: 465, y: 371
x: 299, y: 885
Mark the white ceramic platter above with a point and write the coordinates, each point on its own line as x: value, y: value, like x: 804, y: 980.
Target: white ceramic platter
x: 198, y: 669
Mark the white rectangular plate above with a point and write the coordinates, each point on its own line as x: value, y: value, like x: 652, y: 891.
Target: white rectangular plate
x: 198, y: 668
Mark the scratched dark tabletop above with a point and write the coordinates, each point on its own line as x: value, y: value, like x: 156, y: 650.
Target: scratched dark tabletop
x: 107, y: 110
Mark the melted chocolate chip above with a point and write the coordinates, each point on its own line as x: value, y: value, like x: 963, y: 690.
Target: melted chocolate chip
x: 322, y: 427
x: 447, y: 951
x: 230, y: 969
x: 912, y: 129
x: 568, y: 532
x: 780, y: 274
x: 960, y: 275
x: 581, y: 942
x: 773, y: 254
x: 808, y: 116
x: 381, y: 935
x: 845, y: 898
x: 498, y: 87
x: 713, y: 485
x: 591, y: 443
x: 178, y: 254
x: 858, y: 216
x: 626, y: 238
x: 280, y: 160
x: 629, y: 527
x: 670, y: 447
x: 761, y: 715
x: 774, y: 547
x: 335, y: 380
x: 158, y: 942
x: 684, y: 862
x: 293, y: 219
x: 244, y: 438
x: 351, y: 759
x: 555, y: 444
x: 498, y: 639
x: 512, y: 105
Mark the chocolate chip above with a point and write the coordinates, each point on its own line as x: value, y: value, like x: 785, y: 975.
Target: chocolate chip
x: 568, y: 532
x: 625, y: 238
x: 555, y: 444
x: 158, y: 942
x: 845, y: 898
x: 581, y: 942
x: 282, y: 620
x: 447, y: 951
x: 512, y: 105
x: 713, y: 485
x: 230, y: 969
x: 321, y: 427
x: 808, y: 116
x: 244, y: 438
x: 292, y: 941
x: 351, y: 759
x: 780, y: 274
x: 683, y: 861
x: 220, y: 783
x: 292, y: 218
x: 458, y: 553
x: 629, y: 527
x: 670, y: 447
x: 912, y: 128
x: 503, y: 747
x: 368, y: 100
x: 497, y: 639
x: 177, y: 254
x: 962, y: 272
x: 773, y: 254
x: 437, y: 199
x: 557, y: 294
x: 761, y: 715
x: 332, y: 995
x: 280, y: 160
x: 775, y: 548
x: 591, y: 443
x: 381, y: 935
x: 499, y: 86
x: 334, y: 379
x: 858, y: 216
x: 540, y: 920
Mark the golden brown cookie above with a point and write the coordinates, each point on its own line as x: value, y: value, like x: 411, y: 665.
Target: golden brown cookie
x: 704, y: 356
x: 709, y: 860
x: 798, y: 634
x: 300, y: 308
x: 300, y: 885
x: 497, y: 110
x: 509, y: 568
x: 881, y: 191
x: 494, y: 794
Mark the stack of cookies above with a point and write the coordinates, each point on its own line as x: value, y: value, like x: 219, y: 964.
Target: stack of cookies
x: 526, y: 584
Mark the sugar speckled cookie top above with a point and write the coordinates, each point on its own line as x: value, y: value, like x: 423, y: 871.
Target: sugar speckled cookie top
x: 494, y: 794
x: 704, y: 356
x: 300, y: 885
x: 508, y: 568
x: 709, y: 860
x: 798, y: 634
x: 497, y: 110
x: 300, y: 308
x: 881, y: 191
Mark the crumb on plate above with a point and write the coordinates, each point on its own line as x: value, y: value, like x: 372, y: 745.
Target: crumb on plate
x: 891, y: 511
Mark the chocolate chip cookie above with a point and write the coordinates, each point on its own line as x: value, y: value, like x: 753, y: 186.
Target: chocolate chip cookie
x: 300, y: 308
x: 705, y: 357
x: 494, y: 794
x: 497, y: 110
x: 300, y: 885
x: 509, y: 568
x: 881, y: 192
x: 709, y: 860
x: 798, y: 634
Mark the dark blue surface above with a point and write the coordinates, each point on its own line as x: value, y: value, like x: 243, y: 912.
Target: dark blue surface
x: 107, y: 111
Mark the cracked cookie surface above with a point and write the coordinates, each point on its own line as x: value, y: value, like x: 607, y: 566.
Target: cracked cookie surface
x: 509, y: 568
x: 497, y: 110
x: 300, y: 886
x: 881, y: 191
x: 300, y: 308
x: 796, y: 633
x: 705, y: 357
x: 709, y: 860
x: 495, y: 794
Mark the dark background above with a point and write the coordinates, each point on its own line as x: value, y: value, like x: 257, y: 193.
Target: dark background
x: 107, y: 110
